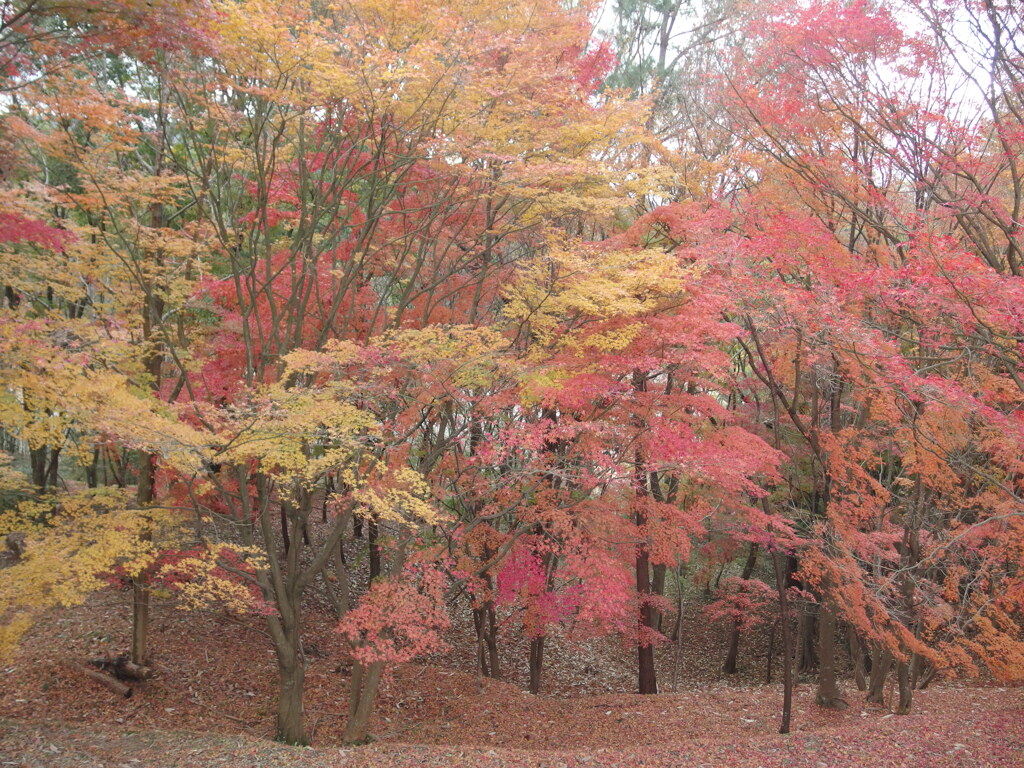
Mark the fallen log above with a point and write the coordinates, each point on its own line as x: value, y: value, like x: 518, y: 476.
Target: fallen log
x: 107, y: 681
x: 122, y: 667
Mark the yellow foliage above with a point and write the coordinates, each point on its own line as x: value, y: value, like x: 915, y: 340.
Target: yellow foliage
x: 214, y: 576
x: 573, y: 284
x: 68, y: 557
x: 467, y: 356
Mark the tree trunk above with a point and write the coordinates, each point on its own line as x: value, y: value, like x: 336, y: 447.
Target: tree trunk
x: 479, y: 620
x: 647, y: 682
x: 291, y: 726
x: 52, y: 468
x: 732, y: 656
x: 140, y: 587
x: 140, y: 621
x: 787, y: 644
x: 285, y: 537
x: 926, y: 677
x: 806, y: 629
x: 37, y: 458
x: 92, y: 469
x: 492, y: 641
x: 658, y: 588
x: 363, y: 694
x: 646, y: 677
x: 881, y: 660
x: 859, y: 658
x: 906, y: 689
x: 285, y: 629
x: 485, y: 624
x: 828, y: 695
x: 337, y: 591
x: 371, y: 541
x: 536, y: 663
x: 916, y: 670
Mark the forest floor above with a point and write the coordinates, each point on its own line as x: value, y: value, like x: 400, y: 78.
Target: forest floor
x: 211, y: 704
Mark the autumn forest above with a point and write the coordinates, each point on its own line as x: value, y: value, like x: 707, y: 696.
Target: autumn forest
x: 423, y: 380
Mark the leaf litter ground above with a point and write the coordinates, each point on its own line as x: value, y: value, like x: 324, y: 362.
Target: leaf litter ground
x: 211, y: 704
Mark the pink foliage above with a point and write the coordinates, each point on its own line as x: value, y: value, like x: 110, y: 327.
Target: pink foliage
x: 745, y: 602
x: 399, y: 618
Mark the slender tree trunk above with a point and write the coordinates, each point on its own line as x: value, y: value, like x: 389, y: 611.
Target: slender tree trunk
x: 916, y: 668
x: 906, y: 689
x: 677, y: 628
x: 787, y: 644
x: 926, y: 677
x: 37, y: 458
x: 363, y: 694
x: 658, y: 588
x: 152, y: 318
x: 829, y: 695
x: 646, y: 677
x: 647, y: 681
x: 486, y: 626
x: 732, y: 656
x: 536, y: 663
x: 52, y: 468
x: 338, y: 591
x: 144, y: 495
x: 479, y: 621
x: 492, y: 641
x: 371, y: 541
x: 283, y: 583
x: 806, y: 624
x: 92, y: 469
x: 285, y: 537
x: 859, y: 659
x: 881, y: 660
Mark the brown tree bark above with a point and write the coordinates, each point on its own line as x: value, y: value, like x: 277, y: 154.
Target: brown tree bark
x: 372, y: 534
x: 485, y: 625
x: 647, y: 681
x: 144, y: 495
x: 787, y: 643
x: 536, y: 663
x: 646, y: 676
x: 362, y: 695
x: 906, y: 689
x: 859, y: 658
x: 291, y: 728
x: 829, y: 695
x: 44, y: 462
x: 658, y: 588
x: 806, y: 625
x: 92, y: 469
x: 881, y: 660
